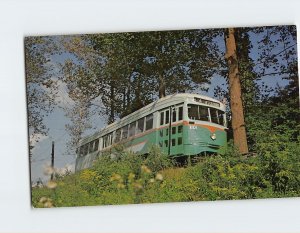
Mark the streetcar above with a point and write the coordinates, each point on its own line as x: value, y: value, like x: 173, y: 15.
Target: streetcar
x: 180, y: 125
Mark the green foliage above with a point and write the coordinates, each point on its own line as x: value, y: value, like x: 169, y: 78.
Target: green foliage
x: 130, y: 179
x: 156, y: 160
x: 281, y: 168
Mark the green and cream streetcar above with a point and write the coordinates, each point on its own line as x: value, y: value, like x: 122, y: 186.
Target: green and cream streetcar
x: 180, y: 124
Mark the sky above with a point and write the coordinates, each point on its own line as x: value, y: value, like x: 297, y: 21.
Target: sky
x: 56, y: 121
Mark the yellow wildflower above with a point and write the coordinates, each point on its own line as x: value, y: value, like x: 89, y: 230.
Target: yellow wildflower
x: 145, y: 169
x: 48, y: 204
x: 137, y: 186
x: 159, y: 177
x: 115, y: 177
x: 43, y: 199
x: 51, y: 184
x: 131, y: 176
x: 151, y: 180
x: 120, y: 186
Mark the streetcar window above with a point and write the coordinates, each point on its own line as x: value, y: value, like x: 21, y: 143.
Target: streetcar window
x: 161, y: 144
x: 109, y: 141
x: 149, y: 122
x: 81, y: 151
x: 193, y: 112
x: 104, y: 144
x: 96, y: 145
x: 179, y: 141
x: 161, y: 133
x: 180, y: 113
x: 167, y: 131
x: 125, y: 132
x: 221, y: 117
x: 173, y: 142
x: 140, y: 126
x: 118, y: 135
x: 196, y: 112
x: 85, y: 149
x: 166, y: 143
x: 180, y: 129
x: 162, y: 118
x: 204, y: 115
x: 174, y: 115
x: 214, y: 115
x: 132, y: 127
x: 167, y: 117
x: 173, y: 130
x: 91, y: 146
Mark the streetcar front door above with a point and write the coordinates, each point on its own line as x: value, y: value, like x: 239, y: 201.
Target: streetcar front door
x: 171, y: 130
x: 164, y: 130
x: 176, y: 131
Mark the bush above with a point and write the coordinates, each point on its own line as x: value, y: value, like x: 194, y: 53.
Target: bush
x: 129, y: 178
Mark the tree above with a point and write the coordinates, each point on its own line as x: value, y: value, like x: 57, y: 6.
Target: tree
x: 236, y: 105
x: 40, y: 88
x: 275, y: 121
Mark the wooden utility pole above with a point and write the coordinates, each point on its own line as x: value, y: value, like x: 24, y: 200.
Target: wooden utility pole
x: 52, y: 161
x: 236, y: 104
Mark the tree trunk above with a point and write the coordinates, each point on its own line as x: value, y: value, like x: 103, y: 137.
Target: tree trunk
x: 128, y: 99
x: 112, y: 103
x: 161, y: 87
x: 238, y: 122
x: 138, y: 103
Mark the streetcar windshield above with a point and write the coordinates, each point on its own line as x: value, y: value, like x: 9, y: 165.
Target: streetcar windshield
x: 203, y: 113
x: 217, y: 116
x: 198, y: 112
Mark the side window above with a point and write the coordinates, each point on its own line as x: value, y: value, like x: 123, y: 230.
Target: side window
x: 180, y: 113
x: 214, y: 115
x: 221, y: 117
x: 91, y: 146
x: 132, y: 127
x: 85, y: 149
x: 179, y: 142
x: 204, y: 115
x: 118, y: 135
x: 173, y: 142
x: 180, y: 127
x: 193, y: 112
x: 174, y: 130
x: 125, y: 132
x: 149, y: 122
x: 81, y: 151
x: 174, y: 113
x: 167, y: 117
x: 161, y: 133
x: 166, y: 143
x: 162, y: 118
x: 109, y: 139
x: 96, y: 145
x: 104, y: 144
x: 140, y: 126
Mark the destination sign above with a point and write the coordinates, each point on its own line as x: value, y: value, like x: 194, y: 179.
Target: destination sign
x: 207, y: 102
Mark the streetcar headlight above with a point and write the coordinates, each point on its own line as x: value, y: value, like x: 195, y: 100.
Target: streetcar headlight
x: 213, y: 136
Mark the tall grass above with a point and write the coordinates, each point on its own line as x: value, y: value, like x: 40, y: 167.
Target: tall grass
x: 131, y: 179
